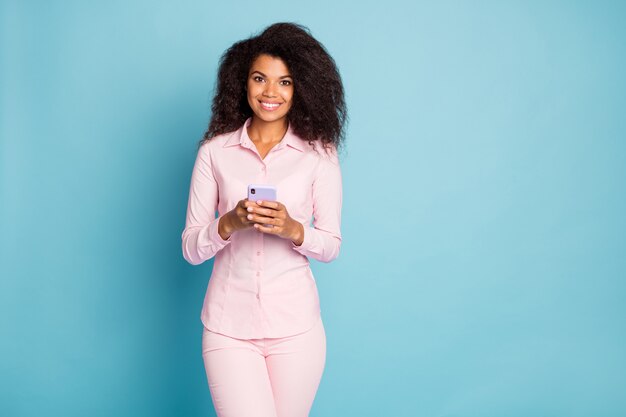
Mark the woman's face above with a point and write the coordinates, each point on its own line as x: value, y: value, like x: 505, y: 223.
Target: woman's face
x: 270, y: 88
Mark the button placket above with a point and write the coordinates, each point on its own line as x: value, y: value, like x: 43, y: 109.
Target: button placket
x: 258, y: 263
x: 260, y: 240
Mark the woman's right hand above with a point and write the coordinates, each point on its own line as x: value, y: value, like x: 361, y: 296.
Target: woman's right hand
x: 236, y: 219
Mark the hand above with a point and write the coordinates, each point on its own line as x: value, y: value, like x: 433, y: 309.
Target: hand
x: 236, y: 219
x: 274, y: 214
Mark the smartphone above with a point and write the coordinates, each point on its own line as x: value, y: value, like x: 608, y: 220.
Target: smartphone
x: 264, y: 192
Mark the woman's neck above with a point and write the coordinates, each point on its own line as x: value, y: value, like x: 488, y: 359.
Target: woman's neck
x: 267, y: 132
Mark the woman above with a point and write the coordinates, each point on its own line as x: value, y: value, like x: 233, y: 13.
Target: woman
x: 278, y: 119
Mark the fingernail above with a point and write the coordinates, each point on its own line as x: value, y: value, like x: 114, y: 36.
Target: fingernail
x: 249, y: 208
x: 259, y: 202
x: 249, y: 216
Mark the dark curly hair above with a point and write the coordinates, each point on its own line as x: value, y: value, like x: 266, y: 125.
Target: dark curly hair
x: 318, y: 111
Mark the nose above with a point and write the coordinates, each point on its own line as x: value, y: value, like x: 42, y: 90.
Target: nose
x: 269, y: 90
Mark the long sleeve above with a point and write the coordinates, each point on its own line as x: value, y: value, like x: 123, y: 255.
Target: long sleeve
x: 200, y: 238
x: 323, y: 240
x: 261, y: 285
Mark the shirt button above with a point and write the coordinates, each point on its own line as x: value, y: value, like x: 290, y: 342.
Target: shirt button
x: 258, y: 297
x: 258, y: 273
x: 258, y: 253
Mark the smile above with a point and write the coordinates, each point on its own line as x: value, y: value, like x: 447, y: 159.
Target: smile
x: 269, y: 106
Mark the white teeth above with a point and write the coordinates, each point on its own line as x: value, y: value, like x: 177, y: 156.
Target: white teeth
x: 271, y: 105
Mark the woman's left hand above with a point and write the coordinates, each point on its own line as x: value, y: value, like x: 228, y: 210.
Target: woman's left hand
x: 274, y: 213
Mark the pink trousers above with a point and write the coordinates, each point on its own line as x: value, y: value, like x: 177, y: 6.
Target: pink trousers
x: 275, y: 377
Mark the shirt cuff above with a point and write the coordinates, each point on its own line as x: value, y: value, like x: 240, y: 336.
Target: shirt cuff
x: 307, y: 243
x: 214, y: 237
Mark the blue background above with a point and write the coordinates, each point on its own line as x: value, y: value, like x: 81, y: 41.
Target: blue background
x: 483, y: 264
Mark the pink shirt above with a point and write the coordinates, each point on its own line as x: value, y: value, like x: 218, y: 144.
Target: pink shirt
x: 262, y: 285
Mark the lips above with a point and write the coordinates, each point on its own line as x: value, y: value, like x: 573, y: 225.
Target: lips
x: 269, y: 106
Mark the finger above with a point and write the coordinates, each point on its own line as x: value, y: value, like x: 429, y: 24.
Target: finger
x: 247, y: 204
x: 261, y: 219
x: 266, y: 229
x: 263, y: 211
x: 270, y: 204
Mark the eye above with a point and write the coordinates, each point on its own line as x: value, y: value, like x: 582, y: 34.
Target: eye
x: 257, y: 78
x: 285, y: 82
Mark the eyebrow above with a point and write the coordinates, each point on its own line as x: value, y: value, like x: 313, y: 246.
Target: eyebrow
x: 280, y: 78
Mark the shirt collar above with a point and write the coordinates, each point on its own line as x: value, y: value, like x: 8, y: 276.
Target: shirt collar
x: 240, y: 137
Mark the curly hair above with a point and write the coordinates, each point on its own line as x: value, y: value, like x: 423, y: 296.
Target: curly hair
x: 318, y: 111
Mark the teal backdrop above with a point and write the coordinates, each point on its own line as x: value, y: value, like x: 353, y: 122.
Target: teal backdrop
x: 483, y: 265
